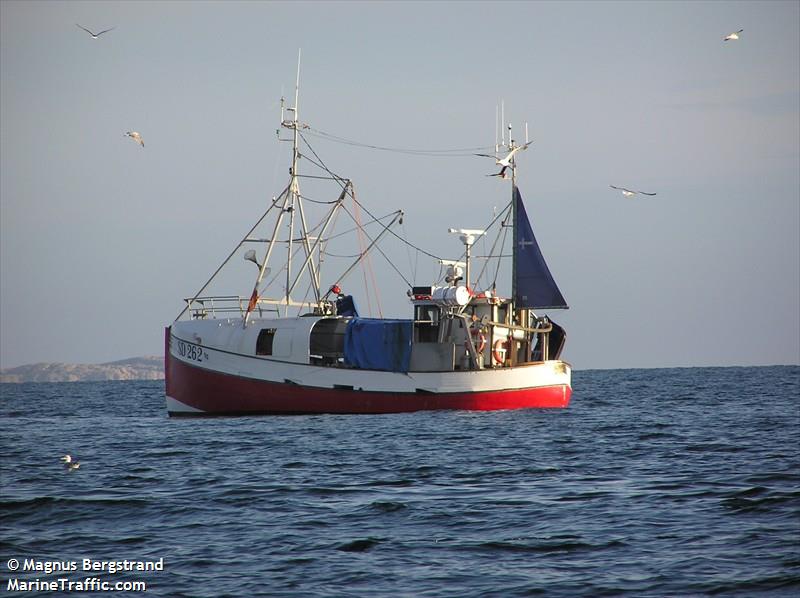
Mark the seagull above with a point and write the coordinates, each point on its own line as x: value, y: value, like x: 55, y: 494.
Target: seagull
x: 732, y: 36
x: 69, y: 463
x: 628, y: 192
x: 94, y: 35
x: 136, y: 137
x: 504, y: 162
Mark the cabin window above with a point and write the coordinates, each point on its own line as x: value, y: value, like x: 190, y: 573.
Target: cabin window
x: 264, y: 342
x: 426, y: 323
x: 326, y: 345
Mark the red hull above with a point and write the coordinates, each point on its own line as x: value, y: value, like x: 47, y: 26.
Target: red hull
x: 223, y: 394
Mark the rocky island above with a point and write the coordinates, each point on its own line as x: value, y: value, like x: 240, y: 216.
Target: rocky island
x: 135, y: 368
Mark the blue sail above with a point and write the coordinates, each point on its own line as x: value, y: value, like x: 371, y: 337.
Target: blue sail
x: 534, y: 286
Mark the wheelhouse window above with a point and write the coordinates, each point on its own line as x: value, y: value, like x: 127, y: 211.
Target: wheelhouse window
x: 264, y: 342
x: 426, y: 323
x: 326, y: 345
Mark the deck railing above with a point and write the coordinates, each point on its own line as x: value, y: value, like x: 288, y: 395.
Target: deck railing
x: 226, y: 306
x: 223, y: 306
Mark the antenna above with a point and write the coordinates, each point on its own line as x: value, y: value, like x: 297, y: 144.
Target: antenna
x: 297, y: 84
x: 507, y: 162
x: 294, y: 188
x: 496, y: 128
x: 503, y: 120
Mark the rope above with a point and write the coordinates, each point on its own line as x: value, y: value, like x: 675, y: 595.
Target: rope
x: 449, y: 153
x: 350, y: 230
x: 502, y: 247
x: 368, y: 260
x: 379, y: 250
x: 232, y: 253
x: 507, y: 212
x: 318, y: 201
x: 339, y: 179
x: 412, y: 268
x: 362, y: 249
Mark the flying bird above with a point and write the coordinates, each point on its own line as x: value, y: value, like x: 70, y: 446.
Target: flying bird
x: 732, y: 36
x: 136, y: 137
x: 94, y: 35
x: 504, y: 162
x: 629, y: 192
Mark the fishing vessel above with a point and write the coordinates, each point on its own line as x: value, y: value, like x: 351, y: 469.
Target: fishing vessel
x: 464, y: 345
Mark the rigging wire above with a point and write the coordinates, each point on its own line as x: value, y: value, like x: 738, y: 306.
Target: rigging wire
x: 502, y: 248
x: 349, y: 191
x: 321, y: 164
x: 350, y: 230
x: 232, y: 253
x: 505, y: 213
x: 324, y: 241
x: 439, y: 277
x: 367, y: 258
x: 448, y: 153
x: 483, y: 244
x: 485, y: 228
x: 311, y: 176
x: 379, y: 250
x: 317, y: 227
x: 502, y: 214
x: 350, y: 256
x: 339, y: 179
x: 361, y: 247
x: 305, y: 297
x: 356, y: 217
x: 317, y: 201
x: 412, y: 268
x: 323, y: 245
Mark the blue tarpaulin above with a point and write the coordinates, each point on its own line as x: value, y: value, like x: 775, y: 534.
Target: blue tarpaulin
x: 375, y: 344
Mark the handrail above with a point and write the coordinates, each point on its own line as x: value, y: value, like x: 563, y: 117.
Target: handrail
x: 231, y: 304
x: 547, y: 328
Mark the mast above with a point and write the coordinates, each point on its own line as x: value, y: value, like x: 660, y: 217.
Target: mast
x: 291, y: 201
x: 294, y: 186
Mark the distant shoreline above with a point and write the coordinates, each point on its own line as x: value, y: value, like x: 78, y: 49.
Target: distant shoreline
x: 151, y: 367
x: 135, y: 368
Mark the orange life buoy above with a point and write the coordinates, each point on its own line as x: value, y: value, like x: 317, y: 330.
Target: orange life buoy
x: 499, y: 345
x: 481, y: 338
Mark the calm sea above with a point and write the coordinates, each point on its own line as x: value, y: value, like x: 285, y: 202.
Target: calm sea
x: 666, y: 482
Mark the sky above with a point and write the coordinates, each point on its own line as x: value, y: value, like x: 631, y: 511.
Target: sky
x: 101, y: 240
